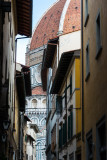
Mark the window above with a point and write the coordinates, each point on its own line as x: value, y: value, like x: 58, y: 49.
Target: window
x: 71, y: 84
x: 87, y: 62
x: 86, y: 13
x: 70, y: 126
x: 34, y: 103
x: 58, y: 104
x: 98, y: 36
x: 89, y: 146
x: 65, y: 97
x: 43, y: 122
x: 101, y: 140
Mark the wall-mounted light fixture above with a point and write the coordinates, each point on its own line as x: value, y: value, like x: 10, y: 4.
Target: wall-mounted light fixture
x: 6, y: 124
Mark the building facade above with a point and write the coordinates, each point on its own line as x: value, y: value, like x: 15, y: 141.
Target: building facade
x: 36, y: 111
x: 36, y: 104
x: 61, y: 80
x: 10, y: 22
x: 94, y: 79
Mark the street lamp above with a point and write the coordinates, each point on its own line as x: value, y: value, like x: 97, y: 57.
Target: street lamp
x: 6, y: 124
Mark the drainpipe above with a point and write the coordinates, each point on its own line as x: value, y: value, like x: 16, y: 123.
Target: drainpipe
x: 82, y: 58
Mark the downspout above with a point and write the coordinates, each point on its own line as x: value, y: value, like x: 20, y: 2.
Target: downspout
x: 82, y: 59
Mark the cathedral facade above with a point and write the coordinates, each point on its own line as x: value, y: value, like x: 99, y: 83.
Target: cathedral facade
x: 36, y: 104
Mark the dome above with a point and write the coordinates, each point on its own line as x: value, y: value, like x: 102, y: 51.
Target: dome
x: 62, y: 17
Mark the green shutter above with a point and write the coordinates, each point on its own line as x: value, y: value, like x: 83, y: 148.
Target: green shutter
x: 58, y: 104
x: 25, y: 138
x: 65, y: 131
x: 69, y: 127
x: 71, y: 84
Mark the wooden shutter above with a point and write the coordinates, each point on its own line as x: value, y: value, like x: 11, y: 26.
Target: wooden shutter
x: 69, y: 127
x: 58, y: 104
x: 64, y: 132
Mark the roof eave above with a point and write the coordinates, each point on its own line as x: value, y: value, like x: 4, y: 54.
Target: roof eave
x: 24, y: 17
x: 61, y: 71
x: 47, y: 60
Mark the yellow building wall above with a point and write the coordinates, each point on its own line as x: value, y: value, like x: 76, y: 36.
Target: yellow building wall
x: 95, y: 88
x: 16, y: 133
x: 77, y: 95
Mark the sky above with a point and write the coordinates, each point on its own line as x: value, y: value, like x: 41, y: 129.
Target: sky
x: 39, y: 8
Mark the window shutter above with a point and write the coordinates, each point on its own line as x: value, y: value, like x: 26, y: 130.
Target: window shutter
x: 69, y: 127
x: 25, y: 138
x: 64, y: 133
x: 58, y: 104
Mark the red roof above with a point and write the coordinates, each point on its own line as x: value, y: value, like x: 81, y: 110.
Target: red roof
x: 48, y: 26
x: 72, y: 20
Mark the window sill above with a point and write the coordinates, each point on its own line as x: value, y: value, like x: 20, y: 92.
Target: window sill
x: 99, y: 52
x: 87, y: 77
x: 86, y: 20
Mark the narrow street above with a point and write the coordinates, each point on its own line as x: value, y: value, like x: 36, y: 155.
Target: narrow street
x: 53, y: 106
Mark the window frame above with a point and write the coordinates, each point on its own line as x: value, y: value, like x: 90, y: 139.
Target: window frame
x: 98, y: 35
x: 86, y: 13
x: 87, y: 62
x: 99, y: 125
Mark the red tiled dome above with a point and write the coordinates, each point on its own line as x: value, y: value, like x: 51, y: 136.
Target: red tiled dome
x: 48, y: 26
x: 72, y: 21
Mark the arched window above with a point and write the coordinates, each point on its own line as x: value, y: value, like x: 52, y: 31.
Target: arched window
x: 43, y: 122
x: 34, y: 103
x: 44, y: 103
